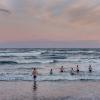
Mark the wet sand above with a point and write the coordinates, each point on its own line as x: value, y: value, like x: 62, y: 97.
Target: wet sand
x: 63, y: 90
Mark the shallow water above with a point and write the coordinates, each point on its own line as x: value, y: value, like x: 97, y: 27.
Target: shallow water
x: 17, y: 64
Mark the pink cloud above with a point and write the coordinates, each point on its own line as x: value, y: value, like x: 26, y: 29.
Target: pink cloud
x: 50, y: 20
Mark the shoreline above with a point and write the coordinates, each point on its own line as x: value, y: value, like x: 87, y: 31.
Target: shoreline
x: 63, y: 90
x: 60, y: 80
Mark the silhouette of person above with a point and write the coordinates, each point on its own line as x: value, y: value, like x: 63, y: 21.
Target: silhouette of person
x: 90, y: 69
x: 51, y: 71
x: 72, y: 71
x: 77, y: 70
x: 34, y: 73
x: 62, y: 69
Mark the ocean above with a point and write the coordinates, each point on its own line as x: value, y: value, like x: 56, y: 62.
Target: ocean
x: 17, y: 64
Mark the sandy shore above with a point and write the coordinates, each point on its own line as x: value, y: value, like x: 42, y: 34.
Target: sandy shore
x: 64, y: 90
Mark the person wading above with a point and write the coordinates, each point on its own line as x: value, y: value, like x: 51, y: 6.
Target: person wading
x: 34, y: 73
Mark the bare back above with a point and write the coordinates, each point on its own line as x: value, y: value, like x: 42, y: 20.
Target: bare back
x: 34, y: 72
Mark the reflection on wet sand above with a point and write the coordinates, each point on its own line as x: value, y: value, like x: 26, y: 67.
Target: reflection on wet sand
x: 34, y: 89
x: 34, y: 86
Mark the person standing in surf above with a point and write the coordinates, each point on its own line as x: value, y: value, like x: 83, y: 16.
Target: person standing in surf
x: 62, y: 69
x: 72, y: 72
x: 51, y: 71
x: 90, y: 69
x: 77, y: 70
x: 34, y: 73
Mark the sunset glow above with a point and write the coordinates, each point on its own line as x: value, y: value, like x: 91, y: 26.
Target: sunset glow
x: 49, y: 20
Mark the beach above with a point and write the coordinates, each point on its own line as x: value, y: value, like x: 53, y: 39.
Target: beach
x: 16, y: 81
x: 49, y: 50
x: 63, y: 90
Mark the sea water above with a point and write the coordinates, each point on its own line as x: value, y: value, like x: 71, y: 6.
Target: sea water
x: 17, y: 64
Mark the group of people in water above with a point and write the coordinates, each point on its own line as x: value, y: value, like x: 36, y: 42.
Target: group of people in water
x: 72, y: 71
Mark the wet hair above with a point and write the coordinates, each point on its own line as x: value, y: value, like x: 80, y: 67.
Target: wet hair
x: 34, y: 68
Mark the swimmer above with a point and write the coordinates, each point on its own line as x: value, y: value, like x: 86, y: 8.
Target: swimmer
x: 72, y: 71
x: 62, y: 69
x: 51, y: 72
x: 77, y: 70
x: 90, y: 69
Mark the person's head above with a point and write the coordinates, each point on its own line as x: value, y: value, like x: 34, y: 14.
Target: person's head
x: 61, y: 66
x: 34, y: 68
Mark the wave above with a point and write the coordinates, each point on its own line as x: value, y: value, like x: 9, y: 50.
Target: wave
x: 31, y: 60
x: 14, y: 62
x: 30, y: 78
x: 30, y: 57
x: 26, y: 76
x: 27, y: 62
x: 7, y: 62
x: 46, y: 53
x: 20, y: 54
x: 56, y: 57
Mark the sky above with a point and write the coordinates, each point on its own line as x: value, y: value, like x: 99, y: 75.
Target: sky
x: 49, y: 23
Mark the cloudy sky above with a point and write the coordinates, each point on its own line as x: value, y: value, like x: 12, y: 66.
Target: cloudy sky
x: 39, y: 23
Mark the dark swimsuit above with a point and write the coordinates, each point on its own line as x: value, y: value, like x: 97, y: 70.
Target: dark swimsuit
x: 34, y: 76
x: 77, y: 70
